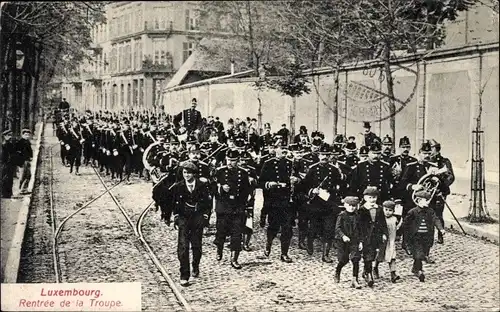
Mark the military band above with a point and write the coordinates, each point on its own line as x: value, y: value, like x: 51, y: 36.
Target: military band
x: 199, y: 165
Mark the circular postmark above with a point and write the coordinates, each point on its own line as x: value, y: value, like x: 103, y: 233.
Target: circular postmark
x: 368, y: 99
x: 363, y: 95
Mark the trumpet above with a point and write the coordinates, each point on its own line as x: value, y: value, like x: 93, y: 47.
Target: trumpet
x: 430, y: 182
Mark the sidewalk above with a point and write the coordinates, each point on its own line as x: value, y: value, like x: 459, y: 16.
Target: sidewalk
x: 14, y: 217
x: 459, y: 202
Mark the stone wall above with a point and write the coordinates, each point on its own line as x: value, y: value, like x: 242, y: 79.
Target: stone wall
x: 437, y: 97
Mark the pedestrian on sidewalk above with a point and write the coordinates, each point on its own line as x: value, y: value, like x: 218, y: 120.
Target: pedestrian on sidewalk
x: 8, y: 163
x: 192, y: 205
x: 26, y: 155
x: 388, y: 253
x: 419, y: 231
x: 348, y: 240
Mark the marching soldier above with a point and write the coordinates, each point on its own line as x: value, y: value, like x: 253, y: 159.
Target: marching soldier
x: 245, y: 158
x: 350, y: 159
x: 322, y: 182
x: 373, y: 172
x: 128, y: 140
x: 398, y: 165
x: 193, y: 155
x: 62, y: 134
x: 446, y: 178
x: 387, y: 149
x: 276, y: 179
x: 191, y: 207
x: 233, y: 185
x: 75, y: 142
x: 266, y: 139
x: 363, y: 153
x: 89, y: 144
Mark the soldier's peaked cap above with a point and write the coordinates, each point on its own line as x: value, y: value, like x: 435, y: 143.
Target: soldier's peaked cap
x: 425, y: 147
x: 339, y: 139
x: 325, y: 149
x: 404, y: 142
x: 316, y: 142
x: 375, y: 147
x: 336, y: 150
x: 387, y: 140
x: 350, y: 146
x: 294, y: 147
x: 364, y: 150
x: 245, y: 155
x: 194, y: 148
x: 239, y: 142
x: 434, y: 143
x: 232, y: 154
x: 7, y: 132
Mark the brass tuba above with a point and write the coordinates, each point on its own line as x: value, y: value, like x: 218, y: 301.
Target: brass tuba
x: 149, y: 154
x: 430, y: 182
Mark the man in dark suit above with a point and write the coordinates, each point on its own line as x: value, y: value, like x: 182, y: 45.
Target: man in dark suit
x: 191, y: 202
x: 64, y: 105
x: 191, y: 118
x: 369, y: 136
x: 285, y: 133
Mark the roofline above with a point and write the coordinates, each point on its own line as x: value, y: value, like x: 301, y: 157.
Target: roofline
x: 208, y: 81
x: 422, y: 55
x: 426, y: 55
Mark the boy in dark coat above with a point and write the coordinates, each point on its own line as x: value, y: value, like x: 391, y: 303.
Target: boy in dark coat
x: 348, y: 238
x: 373, y: 230
x: 419, y: 231
x: 26, y: 155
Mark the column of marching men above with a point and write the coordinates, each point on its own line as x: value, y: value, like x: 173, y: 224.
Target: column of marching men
x: 359, y: 202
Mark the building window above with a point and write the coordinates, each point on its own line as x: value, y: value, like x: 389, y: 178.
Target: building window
x: 129, y: 55
x: 105, y: 63
x: 125, y: 24
x: 191, y: 20
x: 113, y: 60
x: 187, y: 50
x: 118, y: 26
x: 138, y: 20
x: 138, y: 55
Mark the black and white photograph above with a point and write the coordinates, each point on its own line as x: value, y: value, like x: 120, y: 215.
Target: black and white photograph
x: 295, y: 155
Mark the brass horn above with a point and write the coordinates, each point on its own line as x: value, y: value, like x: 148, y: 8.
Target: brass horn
x: 430, y: 182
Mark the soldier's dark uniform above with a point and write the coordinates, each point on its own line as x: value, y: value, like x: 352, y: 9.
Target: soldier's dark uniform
x: 168, y: 168
x: 446, y: 180
x: 75, y: 151
x: 191, y: 118
x: 372, y: 173
x: 245, y: 158
x: 126, y: 149
x: 323, y: 213
x: 191, y: 208
x: 231, y: 207
x: 275, y: 181
x: 89, y: 144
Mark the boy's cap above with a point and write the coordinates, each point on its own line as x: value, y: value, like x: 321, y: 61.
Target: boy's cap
x: 423, y: 194
x: 351, y: 200
x: 371, y: 190
x: 389, y: 204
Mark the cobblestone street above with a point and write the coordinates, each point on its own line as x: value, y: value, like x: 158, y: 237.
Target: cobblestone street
x: 97, y: 245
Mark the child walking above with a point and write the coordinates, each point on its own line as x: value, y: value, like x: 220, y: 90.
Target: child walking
x: 348, y: 237
x: 373, y: 230
x: 419, y: 230
x: 388, y: 253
